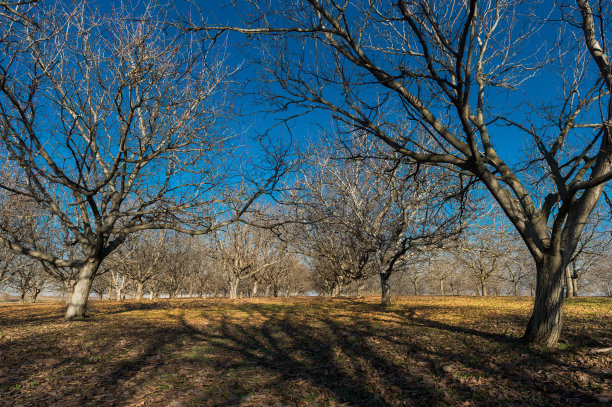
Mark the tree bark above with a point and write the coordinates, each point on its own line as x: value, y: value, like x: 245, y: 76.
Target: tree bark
x: 139, y: 290
x: 385, y: 286
x: 483, y: 288
x: 360, y: 288
x: 233, y: 293
x: 153, y: 294
x: 515, y: 288
x: 69, y: 284
x: 254, y: 293
x: 569, y: 285
x: 544, y: 327
x: 574, y: 281
x: 442, y: 287
x: 77, y: 308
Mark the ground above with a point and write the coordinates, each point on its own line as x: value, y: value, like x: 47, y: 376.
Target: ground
x: 421, y: 351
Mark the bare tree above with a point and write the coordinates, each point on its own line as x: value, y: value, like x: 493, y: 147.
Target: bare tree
x: 24, y: 278
x: 451, y: 72
x: 242, y: 251
x: 483, y: 251
x: 114, y: 121
x: 441, y: 266
x: 517, y: 267
x: 362, y: 211
x: 9, y: 263
x: 593, y: 245
x: 144, y: 257
x: 601, y: 276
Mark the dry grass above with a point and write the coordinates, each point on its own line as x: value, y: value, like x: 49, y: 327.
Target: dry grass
x: 302, y: 352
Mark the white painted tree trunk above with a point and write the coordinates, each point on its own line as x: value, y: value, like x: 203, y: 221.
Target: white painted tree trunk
x: 569, y: 284
x: 233, y: 292
x: 139, y: 290
x: 77, y: 308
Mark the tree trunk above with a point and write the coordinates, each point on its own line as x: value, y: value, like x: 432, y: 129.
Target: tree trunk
x: 69, y: 284
x: 139, y: 290
x: 442, y: 287
x: 254, y: 293
x: 78, y: 303
x: 544, y: 327
x: 267, y: 290
x: 360, y: 288
x: 569, y: 285
x: 574, y: 285
x: 515, y: 288
x: 385, y: 286
x: 153, y: 294
x: 483, y: 288
x: 22, y: 297
x: 233, y: 292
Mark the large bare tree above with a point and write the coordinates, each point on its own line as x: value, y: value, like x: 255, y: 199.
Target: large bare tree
x: 456, y: 73
x: 115, y: 125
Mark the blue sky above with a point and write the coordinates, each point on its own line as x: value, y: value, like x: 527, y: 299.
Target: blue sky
x: 509, y: 141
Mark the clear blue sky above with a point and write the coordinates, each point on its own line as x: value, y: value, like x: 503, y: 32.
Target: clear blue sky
x: 509, y: 142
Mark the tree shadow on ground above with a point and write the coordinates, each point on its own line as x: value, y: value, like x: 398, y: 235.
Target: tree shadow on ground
x: 251, y: 354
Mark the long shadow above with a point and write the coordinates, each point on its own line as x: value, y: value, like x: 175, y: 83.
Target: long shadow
x: 120, y: 307
x: 335, y: 352
x: 410, y: 315
x: 25, y: 314
x: 331, y: 359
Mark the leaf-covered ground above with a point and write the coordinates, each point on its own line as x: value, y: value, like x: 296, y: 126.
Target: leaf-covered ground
x: 422, y: 351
